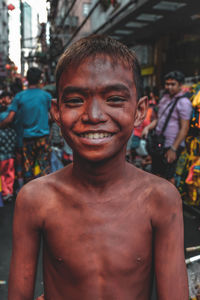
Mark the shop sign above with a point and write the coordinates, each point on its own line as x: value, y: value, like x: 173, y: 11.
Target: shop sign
x: 147, y: 71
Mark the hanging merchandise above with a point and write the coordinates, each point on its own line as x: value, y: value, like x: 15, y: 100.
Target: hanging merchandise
x: 188, y: 171
x: 193, y: 182
x: 195, y: 121
x: 196, y: 100
x: 37, y: 170
x: 188, y: 165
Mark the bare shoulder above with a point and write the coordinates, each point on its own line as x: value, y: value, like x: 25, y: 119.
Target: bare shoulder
x: 162, y: 197
x: 39, y: 195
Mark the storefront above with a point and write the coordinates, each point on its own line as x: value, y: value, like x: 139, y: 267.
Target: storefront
x: 170, y: 30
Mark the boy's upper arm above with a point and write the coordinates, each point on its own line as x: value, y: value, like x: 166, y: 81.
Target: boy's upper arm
x: 170, y: 269
x: 26, y: 240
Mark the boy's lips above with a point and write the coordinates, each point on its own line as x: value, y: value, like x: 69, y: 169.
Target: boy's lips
x: 95, y: 137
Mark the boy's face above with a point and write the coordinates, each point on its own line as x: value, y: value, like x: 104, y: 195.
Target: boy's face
x: 97, y: 107
x: 172, y: 86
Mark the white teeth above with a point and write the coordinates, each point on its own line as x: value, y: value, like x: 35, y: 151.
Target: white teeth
x: 96, y: 135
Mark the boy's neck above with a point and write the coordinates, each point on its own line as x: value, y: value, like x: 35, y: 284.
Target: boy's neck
x: 99, y: 175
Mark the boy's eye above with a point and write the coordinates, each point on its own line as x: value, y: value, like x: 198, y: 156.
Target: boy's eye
x: 73, y: 101
x: 116, y: 100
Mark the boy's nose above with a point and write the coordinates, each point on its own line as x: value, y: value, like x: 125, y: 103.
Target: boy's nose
x: 94, y: 112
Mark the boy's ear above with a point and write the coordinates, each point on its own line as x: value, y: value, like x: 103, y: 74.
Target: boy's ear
x: 141, y: 111
x: 54, y: 111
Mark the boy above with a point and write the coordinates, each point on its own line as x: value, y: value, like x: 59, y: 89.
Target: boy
x: 105, y: 224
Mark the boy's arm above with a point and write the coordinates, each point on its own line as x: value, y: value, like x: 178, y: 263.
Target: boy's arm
x: 170, y: 268
x: 26, y: 242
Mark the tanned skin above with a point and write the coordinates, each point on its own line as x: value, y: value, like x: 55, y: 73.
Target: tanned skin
x: 105, y: 224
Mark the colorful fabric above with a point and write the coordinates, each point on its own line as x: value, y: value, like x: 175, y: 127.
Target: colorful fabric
x: 182, y: 110
x: 188, y: 171
x: 196, y: 100
x: 36, y: 155
x: 195, y: 120
x: 7, y: 143
x: 32, y: 107
x: 7, y: 176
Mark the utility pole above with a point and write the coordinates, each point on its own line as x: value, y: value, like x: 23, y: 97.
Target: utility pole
x: 22, y: 36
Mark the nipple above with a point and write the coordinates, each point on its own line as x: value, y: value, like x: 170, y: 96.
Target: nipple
x: 59, y: 259
x: 139, y: 260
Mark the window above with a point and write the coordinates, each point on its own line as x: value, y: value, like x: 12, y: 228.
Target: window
x: 86, y: 9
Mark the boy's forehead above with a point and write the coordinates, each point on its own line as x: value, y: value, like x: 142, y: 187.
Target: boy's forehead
x: 104, y: 60
x: 101, y: 63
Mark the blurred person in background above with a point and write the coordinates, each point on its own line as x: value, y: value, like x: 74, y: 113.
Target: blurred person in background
x: 15, y: 88
x: 7, y: 150
x: 177, y: 127
x: 135, y: 140
x: 31, y: 108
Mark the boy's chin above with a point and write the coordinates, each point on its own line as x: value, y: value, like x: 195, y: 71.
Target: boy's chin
x: 97, y: 156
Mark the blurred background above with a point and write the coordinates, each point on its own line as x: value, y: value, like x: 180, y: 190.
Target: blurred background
x: 165, y: 36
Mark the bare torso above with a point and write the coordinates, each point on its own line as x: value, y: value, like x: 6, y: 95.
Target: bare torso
x: 98, y: 248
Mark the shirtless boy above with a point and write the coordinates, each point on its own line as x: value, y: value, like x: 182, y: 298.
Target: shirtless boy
x: 105, y: 224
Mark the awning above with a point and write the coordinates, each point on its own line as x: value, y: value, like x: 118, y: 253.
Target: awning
x: 145, y: 20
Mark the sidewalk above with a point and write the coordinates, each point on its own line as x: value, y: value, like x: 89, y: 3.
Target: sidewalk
x: 6, y: 217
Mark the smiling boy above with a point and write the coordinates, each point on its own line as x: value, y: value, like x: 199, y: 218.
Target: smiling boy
x: 105, y: 224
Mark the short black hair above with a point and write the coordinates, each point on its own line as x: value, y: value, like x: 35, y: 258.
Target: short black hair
x: 177, y: 75
x: 100, y: 44
x: 33, y: 75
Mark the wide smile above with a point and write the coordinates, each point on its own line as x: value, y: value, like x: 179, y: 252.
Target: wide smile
x: 95, y: 138
x: 96, y: 135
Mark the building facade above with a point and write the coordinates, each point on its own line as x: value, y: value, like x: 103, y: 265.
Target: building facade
x: 68, y: 20
x: 4, y: 33
x: 164, y: 34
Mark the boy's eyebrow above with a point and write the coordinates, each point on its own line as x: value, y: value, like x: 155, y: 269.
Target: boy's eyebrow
x: 115, y: 87
x: 74, y: 89
x: 104, y: 89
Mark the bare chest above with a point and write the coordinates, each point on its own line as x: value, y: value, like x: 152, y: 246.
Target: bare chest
x: 99, y: 239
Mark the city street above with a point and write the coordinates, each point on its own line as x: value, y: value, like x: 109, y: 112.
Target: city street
x: 192, y: 238
x: 79, y: 79
x: 6, y: 216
